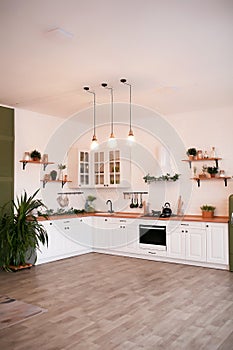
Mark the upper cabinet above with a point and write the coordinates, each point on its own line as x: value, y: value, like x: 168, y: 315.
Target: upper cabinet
x: 78, y: 168
x: 111, y: 168
x: 102, y: 168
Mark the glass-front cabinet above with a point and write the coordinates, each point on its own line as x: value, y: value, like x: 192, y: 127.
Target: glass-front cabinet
x: 84, y: 168
x: 109, y: 170
x: 78, y: 168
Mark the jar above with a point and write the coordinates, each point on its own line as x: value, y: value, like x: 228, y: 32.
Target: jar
x: 199, y: 154
x: 26, y: 156
x: 222, y: 173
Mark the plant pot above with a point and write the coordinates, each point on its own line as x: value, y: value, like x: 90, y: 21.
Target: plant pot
x: 191, y: 157
x: 207, y: 214
x: 36, y: 159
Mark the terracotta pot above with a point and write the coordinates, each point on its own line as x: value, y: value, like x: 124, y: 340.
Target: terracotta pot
x: 207, y: 214
x: 35, y: 159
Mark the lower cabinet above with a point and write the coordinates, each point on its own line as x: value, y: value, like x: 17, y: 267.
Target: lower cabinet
x: 217, y: 243
x: 187, y: 241
x: 205, y: 243
x: 66, y: 238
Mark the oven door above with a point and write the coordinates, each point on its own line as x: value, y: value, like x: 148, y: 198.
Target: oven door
x: 152, y: 236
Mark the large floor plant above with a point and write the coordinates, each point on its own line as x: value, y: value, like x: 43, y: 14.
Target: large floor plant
x: 20, y: 231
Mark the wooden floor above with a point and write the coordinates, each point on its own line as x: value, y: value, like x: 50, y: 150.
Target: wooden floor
x: 98, y: 301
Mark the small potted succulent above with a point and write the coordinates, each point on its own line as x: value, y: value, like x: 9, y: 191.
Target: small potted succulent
x: 35, y: 155
x: 212, y: 170
x: 207, y: 211
x: 191, y: 153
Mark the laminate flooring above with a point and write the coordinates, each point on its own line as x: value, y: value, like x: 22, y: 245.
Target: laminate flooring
x: 98, y: 301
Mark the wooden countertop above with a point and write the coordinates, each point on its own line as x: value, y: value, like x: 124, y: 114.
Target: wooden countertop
x: 197, y: 218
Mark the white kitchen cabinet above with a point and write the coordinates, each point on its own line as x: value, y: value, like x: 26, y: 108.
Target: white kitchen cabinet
x: 187, y: 240
x: 124, y: 235
x: 56, y: 244
x: 101, y: 233
x: 217, y: 243
x: 66, y: 238
x: 111, y: 167
x: 78, y: 234
x: 78, y: 168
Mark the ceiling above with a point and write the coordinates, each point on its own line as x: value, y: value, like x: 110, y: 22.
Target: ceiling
x: 177, y: 54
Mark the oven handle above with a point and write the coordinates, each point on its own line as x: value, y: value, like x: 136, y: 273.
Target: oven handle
x: 153, y: 227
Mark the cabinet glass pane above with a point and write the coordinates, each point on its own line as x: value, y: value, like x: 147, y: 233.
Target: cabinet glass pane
x: 111, y: 156
x: 81, y: 156
x: 101, y: 179
x: 82, y: 179
x: 81, y: 168
x: 86, y: 157
x: 101, y: 156
x: 112, y: 180
x: 86, y: 168
x: 117, y: 179
x: 111, y: 167
x: 101, y: 168
x: 87, y: 180
x: 117, y: 155
x: 117, y: 167
x: 96, y: 157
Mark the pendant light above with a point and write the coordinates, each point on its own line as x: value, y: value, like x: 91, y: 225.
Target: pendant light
x: 94, y: 142
x: 105, y: 85
x: 130, y: 134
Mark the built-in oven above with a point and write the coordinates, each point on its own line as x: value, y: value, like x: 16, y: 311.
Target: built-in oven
x: 152, y: 237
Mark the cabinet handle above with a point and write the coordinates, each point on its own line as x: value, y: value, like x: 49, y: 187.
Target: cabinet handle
x: 50, y: 223
x: 186, y: 231
x: 184, y: 224
x: 152, y: 253
x: 182, y: 231
x: 207, y: 225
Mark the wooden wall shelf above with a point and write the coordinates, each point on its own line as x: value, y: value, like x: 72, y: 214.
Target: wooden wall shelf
x: 211, y: 179
x: 35, y: 162
x: 63, y: 182
x: 202, y: 160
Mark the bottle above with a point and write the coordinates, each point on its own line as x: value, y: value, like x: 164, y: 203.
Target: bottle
x: 206, y: 155
x: 213, y: 153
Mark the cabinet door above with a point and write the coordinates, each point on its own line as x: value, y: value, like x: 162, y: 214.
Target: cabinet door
x: 195, y: 244
x: 119, y: 236
x: 217, y: 243
x: 84, y: 169
x: 77, y: 235
x: 78, y: 168
x: 176, y: 243
x: 101, y: 233
x: 56, y: 244
x: 99, y: 169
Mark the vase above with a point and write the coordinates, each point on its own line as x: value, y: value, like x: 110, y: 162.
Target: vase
x: 207, y: 214
x: 53, y: 175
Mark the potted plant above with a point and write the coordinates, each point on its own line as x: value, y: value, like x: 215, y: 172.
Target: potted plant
x: 212, y: 170
x: 191, y: 153
x: 89, y: 206
x: 61, y: 167
x: 207, y: 211
x: 20, y: 232
x: 35, y: 155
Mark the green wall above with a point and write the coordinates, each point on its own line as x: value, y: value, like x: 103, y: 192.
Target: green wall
x: 6, y: 155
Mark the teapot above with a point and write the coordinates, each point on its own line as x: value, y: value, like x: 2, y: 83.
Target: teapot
x: 166, y: 210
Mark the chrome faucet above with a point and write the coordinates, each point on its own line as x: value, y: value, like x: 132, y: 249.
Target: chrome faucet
x: 110, y: 210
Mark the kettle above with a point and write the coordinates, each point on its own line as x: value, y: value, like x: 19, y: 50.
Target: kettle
x: 166, y: 212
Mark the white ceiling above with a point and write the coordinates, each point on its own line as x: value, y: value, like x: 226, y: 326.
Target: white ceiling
x: 177, y: 54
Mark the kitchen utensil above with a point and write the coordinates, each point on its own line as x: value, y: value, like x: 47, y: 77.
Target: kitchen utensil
x: 132, y: 203
x: 140, y: 205
x: 136, y: 204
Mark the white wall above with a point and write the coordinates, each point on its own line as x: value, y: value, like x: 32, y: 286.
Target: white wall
x: 160, y: 146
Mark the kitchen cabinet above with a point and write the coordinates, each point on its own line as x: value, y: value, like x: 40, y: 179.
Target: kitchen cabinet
x: 111, y: 167
x: 78, y: 168
x: 124, y: 235
x: 187, y: 241
x: 217, y: 243
x: 101, y: 233
x: 66, y: 238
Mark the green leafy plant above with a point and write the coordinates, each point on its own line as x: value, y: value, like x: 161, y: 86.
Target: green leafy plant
x: 61, y: 166
x: 207, y: 208
x: 148, y: 178
x: 20, y: 232
x: 35, y: 154
x: 191, y: 152
x: 212, y: 170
